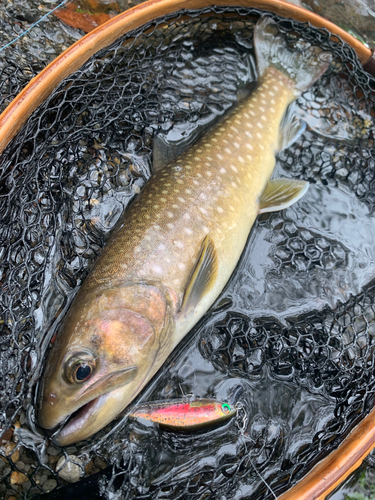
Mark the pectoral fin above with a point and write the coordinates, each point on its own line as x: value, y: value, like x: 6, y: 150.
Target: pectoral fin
x: 281, y: 193
x: 203, y: 276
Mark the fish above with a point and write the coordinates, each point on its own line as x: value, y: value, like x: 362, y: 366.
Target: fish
x: 175, y: 249
x: 183, y: 414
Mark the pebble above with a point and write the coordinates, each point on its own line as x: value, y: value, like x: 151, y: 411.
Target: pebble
x: 14, y: 455
x: 51, y: 450
x: 20, y: 465
x: 69, y: 468
x: 18, y: 478
x: 100, y: 462
x: 49, y: 485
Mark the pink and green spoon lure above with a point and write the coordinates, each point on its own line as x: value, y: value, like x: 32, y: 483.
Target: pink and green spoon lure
x: 184, y: 414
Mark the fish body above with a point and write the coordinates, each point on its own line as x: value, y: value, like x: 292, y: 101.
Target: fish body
x: 185, y: 415
x: 172, y: 254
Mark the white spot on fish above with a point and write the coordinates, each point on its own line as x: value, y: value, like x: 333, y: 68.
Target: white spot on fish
x: 248, y: 134
x: 209, y: 173
x: 219, y: 156
x: 220, y: 210
x: 231, y: 208
x: 273, y: 101
x: 170, y: 225
x: 179, y: 244
x: 234, y: 184
x: 262, y: 109
x: 259, y: 135
x: 181, y: 199
x: 249, y: 157
x: 249, y: 146
x: 241, y: 160
x: 181, y: 266
x: 252, y: 113
x: 228, y: 151
x: 234, y: 128
x: 271, y: 93
x: 223, y: 171
x: 187, y: 191
x: 161, y: 246
x: 170, y: 215
x: 188, y: 231
x: 273, y: 110
x: 157, y: 269
x: 196, y: 183
x: 203, y: 210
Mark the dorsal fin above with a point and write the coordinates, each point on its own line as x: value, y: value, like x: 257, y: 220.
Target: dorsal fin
x: 280, y: 194
x: 203, y: 276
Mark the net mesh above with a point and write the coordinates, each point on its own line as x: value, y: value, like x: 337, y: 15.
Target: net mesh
x: 290, y: 341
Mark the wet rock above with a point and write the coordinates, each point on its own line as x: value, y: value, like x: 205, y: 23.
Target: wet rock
x: 69, y: 468
x: 18, y: 478
x: 49, y: 485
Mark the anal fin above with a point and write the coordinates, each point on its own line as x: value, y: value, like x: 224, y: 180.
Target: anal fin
x: 203, y: 276
x: 281, y: 193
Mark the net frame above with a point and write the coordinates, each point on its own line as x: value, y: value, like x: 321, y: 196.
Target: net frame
x: 34, y: 85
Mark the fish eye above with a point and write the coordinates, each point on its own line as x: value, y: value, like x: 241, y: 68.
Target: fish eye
x: 79, y: 367
x: 226, y: 408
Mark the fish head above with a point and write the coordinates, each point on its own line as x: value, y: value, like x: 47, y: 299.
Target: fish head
x: 102, y: 357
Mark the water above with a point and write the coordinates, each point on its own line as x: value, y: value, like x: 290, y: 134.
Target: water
x: 288, y: 340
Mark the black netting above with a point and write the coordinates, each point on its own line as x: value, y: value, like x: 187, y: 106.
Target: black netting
x: 290, y: 339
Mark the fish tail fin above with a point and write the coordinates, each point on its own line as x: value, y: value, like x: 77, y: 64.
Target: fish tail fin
x: 304, y: 64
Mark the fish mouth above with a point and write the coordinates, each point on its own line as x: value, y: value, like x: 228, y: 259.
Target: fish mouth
x: 77, y: 420
x: 90, y: 407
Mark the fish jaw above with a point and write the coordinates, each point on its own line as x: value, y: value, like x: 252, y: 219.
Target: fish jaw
x: 92, y: 417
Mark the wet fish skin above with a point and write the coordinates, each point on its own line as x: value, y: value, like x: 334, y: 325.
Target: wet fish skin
x: 165, y: 264
x: 184, y: 414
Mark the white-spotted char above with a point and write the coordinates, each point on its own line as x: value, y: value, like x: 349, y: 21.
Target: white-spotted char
x: 174, y: 251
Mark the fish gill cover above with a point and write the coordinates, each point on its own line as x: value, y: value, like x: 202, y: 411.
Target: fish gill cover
x: 290, y: 340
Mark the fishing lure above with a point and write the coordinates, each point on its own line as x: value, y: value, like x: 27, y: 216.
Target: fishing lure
x: 185, y: 415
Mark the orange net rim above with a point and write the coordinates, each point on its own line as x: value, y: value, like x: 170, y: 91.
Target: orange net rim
x: 40, y: 87
x: 332, y: 470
